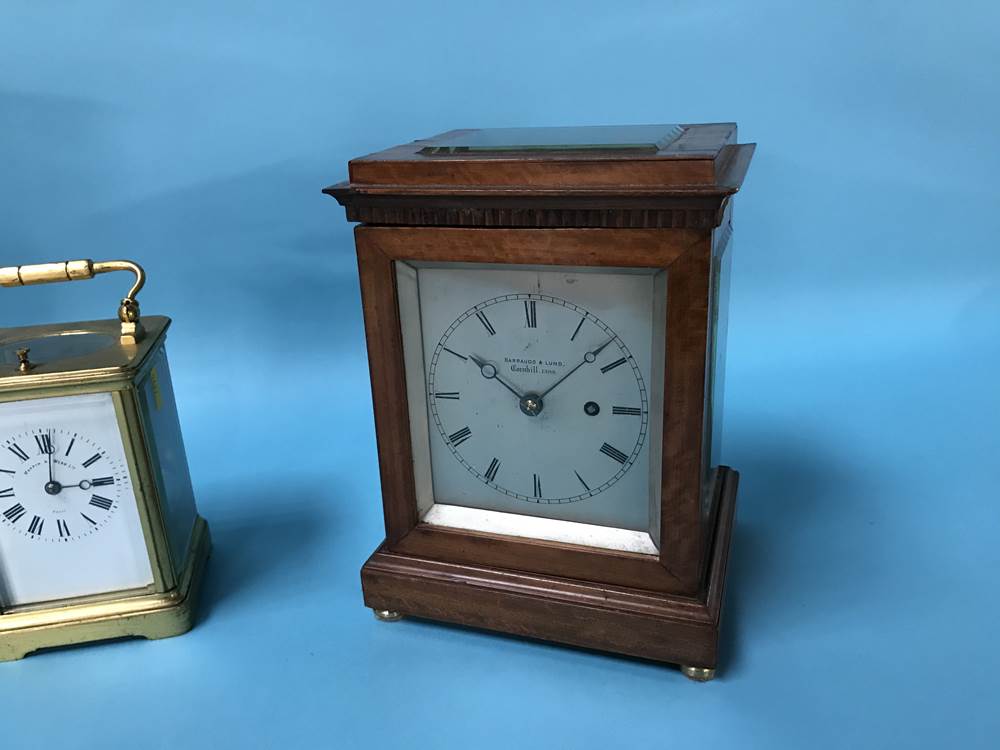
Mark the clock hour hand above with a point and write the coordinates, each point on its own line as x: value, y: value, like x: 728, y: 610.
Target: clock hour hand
x: 587, y: 358
x: 489, y: 371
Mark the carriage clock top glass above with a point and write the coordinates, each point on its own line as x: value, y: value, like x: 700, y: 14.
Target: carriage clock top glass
x: 99, y: 534
x: 546, y: 311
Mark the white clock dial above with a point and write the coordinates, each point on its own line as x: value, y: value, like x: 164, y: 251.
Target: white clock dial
x: 554, y: 376
x: 531, y: 389
x: 63, y: 486
x: 69, y: 524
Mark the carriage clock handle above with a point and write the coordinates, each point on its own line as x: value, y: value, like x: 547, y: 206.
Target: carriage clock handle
x: 79, y: 270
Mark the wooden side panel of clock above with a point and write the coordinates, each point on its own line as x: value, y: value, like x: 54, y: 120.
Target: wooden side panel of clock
x: 687, y: 255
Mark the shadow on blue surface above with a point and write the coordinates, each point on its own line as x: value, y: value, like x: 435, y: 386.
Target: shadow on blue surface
x: 268, y: 554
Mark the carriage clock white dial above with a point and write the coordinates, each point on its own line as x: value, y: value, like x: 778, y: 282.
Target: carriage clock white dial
x: 537, y: 390
x: 69, y: 524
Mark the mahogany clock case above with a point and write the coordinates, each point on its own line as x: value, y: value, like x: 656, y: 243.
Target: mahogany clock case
x: 667, y: 207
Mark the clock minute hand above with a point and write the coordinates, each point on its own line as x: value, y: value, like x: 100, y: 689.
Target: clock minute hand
x: 587, y: 358
x: 489, y: 371
x: 50, y: 451
x: 52, y: 487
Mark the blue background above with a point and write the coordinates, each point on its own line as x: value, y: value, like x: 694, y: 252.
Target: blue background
x: 862, y: 398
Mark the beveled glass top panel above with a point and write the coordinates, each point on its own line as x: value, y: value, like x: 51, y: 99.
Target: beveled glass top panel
x: 650, y: 138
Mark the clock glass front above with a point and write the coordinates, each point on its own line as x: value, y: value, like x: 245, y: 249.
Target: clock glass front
x: 69, y: 523
x: 536, y: 399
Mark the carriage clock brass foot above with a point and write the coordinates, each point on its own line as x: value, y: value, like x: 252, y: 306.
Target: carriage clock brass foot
x: 387, y: 615
x: 698, y: 674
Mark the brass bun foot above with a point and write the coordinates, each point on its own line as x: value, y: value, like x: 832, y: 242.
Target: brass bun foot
x: 387, y: 615
x: 698, y: 674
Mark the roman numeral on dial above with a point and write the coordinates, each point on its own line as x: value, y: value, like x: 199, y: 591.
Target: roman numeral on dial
x: 92, y: 460
x: 530, y: 314
x: 577, y: 329
x: 491, y: 472
x: 617, y: 363
x: 9, y: 492
x: 102, y: 481
x: 630, y: 411
x: 88, y: 518
x: 486, y: 323
x: 18, y: 451
x: 101, y: 502
x: 70, y: 446
x: 7, y: 471
x: 448, y: 395
x: 585, y: 485
x: 538, y: 485
x: 35, y: 527
x: 459, y: 436
x: 452, y: 351
x: 63, y: 528
x: 44, y: 443
x: 611, y: 451
x: 14, y: 513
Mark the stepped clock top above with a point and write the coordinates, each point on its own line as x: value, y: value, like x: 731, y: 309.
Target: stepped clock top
x: 627, y: 159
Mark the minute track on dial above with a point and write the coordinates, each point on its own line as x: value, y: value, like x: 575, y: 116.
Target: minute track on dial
x: 537, y: 344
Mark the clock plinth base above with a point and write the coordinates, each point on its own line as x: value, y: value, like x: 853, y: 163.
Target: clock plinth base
x: 387, y: 615
x: 698, y: 674
x: 671, y: 628
x: 152, y: 616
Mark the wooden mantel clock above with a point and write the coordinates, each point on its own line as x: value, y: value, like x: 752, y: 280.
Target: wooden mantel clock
x: 545, y: 311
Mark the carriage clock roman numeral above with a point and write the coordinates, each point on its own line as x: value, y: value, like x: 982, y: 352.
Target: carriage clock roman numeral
x: 14, y: 513
x: 44, y: 443
x: 101, y: 502
x: 18, y: 451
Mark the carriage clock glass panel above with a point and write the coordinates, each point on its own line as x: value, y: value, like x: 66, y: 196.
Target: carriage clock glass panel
x: 536, y: 399
x: 69, y: 522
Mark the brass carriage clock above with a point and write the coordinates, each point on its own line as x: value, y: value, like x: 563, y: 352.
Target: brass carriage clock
x: 99, y: 535
x: 545, y: 311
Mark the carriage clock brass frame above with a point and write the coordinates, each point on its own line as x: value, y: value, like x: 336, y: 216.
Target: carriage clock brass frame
x: 167, y: 606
